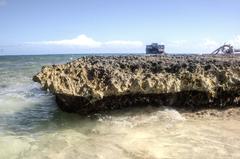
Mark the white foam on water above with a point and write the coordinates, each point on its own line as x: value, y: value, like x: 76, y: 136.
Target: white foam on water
x: 15, y: 98
x: 141, y: 116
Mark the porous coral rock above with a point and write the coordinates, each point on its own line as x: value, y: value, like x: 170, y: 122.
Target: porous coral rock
x: 96, y: 83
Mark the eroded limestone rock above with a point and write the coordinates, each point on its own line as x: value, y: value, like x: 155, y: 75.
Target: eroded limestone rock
x: 92, y: 84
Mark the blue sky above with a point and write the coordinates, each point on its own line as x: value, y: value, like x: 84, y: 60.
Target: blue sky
x: 95, y: 26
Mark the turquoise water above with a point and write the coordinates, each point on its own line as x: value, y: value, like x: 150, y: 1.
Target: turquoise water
x: 31, y: 125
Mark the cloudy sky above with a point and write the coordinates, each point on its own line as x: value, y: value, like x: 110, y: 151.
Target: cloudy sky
x: 117, y: 26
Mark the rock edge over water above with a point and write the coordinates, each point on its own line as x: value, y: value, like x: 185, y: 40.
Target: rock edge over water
x: 99, y: 83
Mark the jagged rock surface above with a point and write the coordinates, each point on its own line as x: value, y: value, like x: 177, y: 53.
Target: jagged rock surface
x: 92, y: 84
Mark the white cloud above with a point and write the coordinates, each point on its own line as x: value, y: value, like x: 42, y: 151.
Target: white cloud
x: 3, y: 2
x: 81, y: 40
x: 209, y: 44
x: 179, y: 43
x: 124, y: 43
x: 235, y: 42
x: 206, y: 45
x: 87, y: 42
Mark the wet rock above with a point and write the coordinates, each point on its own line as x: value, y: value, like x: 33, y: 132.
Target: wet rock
x: 96, y: 83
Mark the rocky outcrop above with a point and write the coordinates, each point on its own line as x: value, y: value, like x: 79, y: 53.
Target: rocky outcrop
x: 93, y: 84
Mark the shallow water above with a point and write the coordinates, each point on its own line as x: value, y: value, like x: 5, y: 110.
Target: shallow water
x: 31, y: 125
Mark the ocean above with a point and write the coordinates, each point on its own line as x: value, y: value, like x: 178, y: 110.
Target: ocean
x: 32, y: 126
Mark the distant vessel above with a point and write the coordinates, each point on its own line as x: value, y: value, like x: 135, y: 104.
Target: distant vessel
x: 154, y: 48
